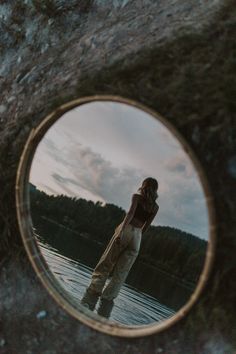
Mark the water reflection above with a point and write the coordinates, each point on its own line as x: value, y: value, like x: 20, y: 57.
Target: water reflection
x: 168, y: 289
x: 132, y: 306
x: 84, y: 171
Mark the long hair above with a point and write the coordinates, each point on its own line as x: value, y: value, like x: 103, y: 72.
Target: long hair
x: 148, y: 190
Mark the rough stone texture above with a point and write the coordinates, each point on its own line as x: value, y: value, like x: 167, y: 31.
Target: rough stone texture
x: 177, y: 57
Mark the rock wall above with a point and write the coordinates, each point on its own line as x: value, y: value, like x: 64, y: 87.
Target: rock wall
x: 177, y: 57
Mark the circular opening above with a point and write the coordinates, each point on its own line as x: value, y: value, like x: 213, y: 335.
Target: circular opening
x: 77, y: 178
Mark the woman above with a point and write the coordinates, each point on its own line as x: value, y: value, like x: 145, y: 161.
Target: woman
x: 122, y: 249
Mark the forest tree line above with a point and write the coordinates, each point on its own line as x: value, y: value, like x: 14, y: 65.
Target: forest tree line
x: 171, y: 250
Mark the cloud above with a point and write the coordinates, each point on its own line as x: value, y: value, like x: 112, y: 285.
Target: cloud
x: 183, y: 206
x: 103, y: 152
x: 99, y: 177
x: 181, y: 203
x: 54, y: 151
x: 180, y: 164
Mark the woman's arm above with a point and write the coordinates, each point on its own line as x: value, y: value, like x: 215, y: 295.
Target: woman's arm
x: 130, y: 214
x: 149, y: 221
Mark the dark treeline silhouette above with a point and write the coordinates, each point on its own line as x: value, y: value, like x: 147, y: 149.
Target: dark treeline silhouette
x: 79, y: 215
x: 170, y: 250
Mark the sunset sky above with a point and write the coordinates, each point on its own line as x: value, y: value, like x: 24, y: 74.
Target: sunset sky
x: 103, y: 150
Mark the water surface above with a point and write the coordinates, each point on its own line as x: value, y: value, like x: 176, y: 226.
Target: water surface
x: 132, y: 307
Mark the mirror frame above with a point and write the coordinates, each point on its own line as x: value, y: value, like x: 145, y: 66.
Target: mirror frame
x: 40, y: 265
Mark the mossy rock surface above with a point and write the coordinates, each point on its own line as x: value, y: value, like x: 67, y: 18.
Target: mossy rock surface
x: 177, y: 58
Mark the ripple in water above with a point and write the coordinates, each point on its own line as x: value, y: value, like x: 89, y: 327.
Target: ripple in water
x: 132, y: 307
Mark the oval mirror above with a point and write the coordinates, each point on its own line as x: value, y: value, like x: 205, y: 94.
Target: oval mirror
x: 113, y: 213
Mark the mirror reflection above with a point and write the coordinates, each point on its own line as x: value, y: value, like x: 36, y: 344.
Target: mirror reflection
x: 119, y: 212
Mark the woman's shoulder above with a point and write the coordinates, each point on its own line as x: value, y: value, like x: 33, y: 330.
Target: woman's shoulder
x: 137, y: 195
x: 137, y: 198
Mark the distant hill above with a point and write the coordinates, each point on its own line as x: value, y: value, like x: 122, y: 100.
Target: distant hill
x: 169, y: 249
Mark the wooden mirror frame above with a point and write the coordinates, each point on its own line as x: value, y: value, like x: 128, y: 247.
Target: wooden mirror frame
x: 40, y: 265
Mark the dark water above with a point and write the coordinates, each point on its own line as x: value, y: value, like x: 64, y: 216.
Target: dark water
x: 132, y: 307
x: 164, y: 287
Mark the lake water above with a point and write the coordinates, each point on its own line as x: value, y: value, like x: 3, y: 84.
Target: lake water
x: 132, y: 307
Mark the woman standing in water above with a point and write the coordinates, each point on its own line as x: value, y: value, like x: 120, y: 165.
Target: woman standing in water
x: 122, y: 249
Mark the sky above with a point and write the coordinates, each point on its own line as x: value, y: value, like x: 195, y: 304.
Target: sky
x: 102, y: 151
